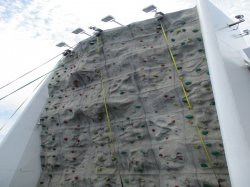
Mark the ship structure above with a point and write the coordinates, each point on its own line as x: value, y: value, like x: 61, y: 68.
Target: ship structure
x: 133, y: 106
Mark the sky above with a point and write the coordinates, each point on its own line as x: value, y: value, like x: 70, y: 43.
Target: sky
x: 30, y: 29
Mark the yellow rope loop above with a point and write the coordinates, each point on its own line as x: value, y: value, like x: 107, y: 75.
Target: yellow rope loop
x: 202, y: 141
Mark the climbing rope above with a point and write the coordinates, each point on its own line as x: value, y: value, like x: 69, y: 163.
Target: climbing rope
x: 202, y: 141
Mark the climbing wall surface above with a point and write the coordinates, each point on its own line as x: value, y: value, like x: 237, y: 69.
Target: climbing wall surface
x: 118, y: 116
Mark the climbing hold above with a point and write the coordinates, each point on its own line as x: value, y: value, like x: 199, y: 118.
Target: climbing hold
x: 197, y: 146
x: 65, y: 139
x: 216, y: 153
x: 122, y: 92
x: 139, y: 137
x: 183, y: 30
x: 76, y: 177
x: 155, y: 76
x: 212, y: 103
x: 195, y: 30
x: 137, y: 106
x: 179, y: 67
x: 142, y: 125
x: 172, y: 39
x: 201, y: 50
x: 198, y: 70
x: 207, y: 185
x: 209, y: 145
x: 126, y: 181
x: 204, y: 165
x: 205, y: 132
x: 123, y: 152
x: 199, y: 39
x: 183, y: 43
x: 188, y: 82
x: 113, y: 158
x: 184, y: 100
x: 189, y: 116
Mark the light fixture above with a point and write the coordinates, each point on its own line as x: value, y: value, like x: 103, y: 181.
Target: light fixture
x: 150, y: 8
x: 158, y: 15
x: 240, y: 18
x: 63, y: 44
x: 80, y: 31
x: 110, y: 18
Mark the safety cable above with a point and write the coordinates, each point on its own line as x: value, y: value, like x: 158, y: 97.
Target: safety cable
x: 21, y: 104
x: 33, y: 69
x: 28, y: 84
x: 208, y: 155
x: 29, y: 71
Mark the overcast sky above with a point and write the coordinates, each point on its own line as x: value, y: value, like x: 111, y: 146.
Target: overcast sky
x: 30, y: 29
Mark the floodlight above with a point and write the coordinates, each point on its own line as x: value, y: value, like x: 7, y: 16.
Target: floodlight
x: 111, y: 19
x: 62, y: 44
x: 240, y: 18
x: 80, y: 31
x: 108, y: 18
x: 150, y: 8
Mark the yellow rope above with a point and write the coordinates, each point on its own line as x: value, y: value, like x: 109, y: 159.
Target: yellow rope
x: 189, y: 104
x: 97, y: 44
x: 106, y: 108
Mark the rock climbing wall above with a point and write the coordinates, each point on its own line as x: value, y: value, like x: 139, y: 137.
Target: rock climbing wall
x: 117, y: 114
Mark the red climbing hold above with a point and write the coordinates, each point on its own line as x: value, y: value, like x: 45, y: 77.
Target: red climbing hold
x: 65, y: 139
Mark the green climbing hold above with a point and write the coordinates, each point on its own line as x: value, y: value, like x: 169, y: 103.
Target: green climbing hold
x: 142, y: 126
x: 183, y: 43
x: 171, y: 31
x: 122, y: 92
x: 207, y: 185
x: 204, y: 165
x: 184, y: 100
x: 189, y: 116
x: 209, y: 145
x: 195, y: 30
x: 179, y: 68
x: 198, y: 70
x: 204, y: 132
x: 172, y: 39
x: 216, y: 153
x: 142, y: 152
x: 188, y: 82
x: 199, y: 39
x: 208, y: 72
x: 123, y: 152
x: 126, y: 181
x: 138, y: 106
x: 175, y: 55
x: 139, y: 137
x: 183, y: 30
x: 201, y: 50
x: 212, y: 103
